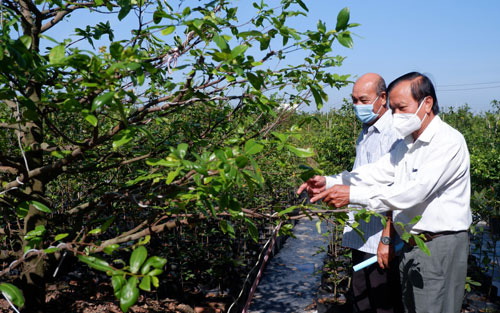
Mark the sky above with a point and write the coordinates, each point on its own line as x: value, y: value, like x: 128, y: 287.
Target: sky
x: 456, y: 43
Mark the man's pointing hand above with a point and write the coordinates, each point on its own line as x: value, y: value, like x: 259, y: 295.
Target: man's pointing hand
x: 336, y: 196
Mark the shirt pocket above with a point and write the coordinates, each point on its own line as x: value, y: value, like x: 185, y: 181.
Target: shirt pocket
x: 410, y: 172
x: 369, y: 157
x: 413, y: 173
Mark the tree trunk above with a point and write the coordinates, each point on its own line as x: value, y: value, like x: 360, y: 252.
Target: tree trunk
x: 33, y: 277
x: 33, y: 274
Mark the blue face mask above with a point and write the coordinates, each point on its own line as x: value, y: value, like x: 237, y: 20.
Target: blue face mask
x: 364, y: 112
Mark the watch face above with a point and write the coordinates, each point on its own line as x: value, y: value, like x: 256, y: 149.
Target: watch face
x: 386, y: 240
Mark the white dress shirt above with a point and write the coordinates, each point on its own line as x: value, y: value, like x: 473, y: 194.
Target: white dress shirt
x: 429, y: 177
x: 373, y: 142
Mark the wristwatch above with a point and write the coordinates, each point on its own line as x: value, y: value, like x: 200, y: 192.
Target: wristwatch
x: 386, y: 240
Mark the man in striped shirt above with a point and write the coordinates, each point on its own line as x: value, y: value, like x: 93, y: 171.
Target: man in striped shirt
x: 371, y: 285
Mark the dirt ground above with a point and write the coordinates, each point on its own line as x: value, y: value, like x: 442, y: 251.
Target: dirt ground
x: 90, y: 296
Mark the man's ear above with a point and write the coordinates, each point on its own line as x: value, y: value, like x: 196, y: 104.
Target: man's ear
x: 428, y: 103
x: 383, y: 97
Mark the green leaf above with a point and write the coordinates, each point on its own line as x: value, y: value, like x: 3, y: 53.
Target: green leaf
x: 129, y: 294
x: 288, y: 210
x: 124, y: 11
x: 116, y: 49
x: 158, y: 15
x: 101, y: 100
x: 252, y: 33
x: 170, y: 161
x: 108, y: 222
x: 95, y: 231
x: 39, y: 231
x: 155, y: 281
x: 255, y: 80
x: 60, y: 154
x: 197, y: 23
x: 415, y: 219
x: 220, y: 42
x: 12, y: 293
x: 137, y: 258
x: 421, y: 244
x: 226, y: 227
x: 140, y: 77
x: 302, y: 5
x: 22, y: 209
x: 155, y: 272
x: 182, y: 149
x: 123, y: 137
x: 252, y: 147
x: 26, y: 40
x: 118, y: 281
x: 317, y: 97
x: 307, y: 174
x: 111, y: 248
x: 345, y: 40
x: 91, y: 119
x: 95, y: 263
x: 50, y: 250
x: 56, y: 54
x: 238, y: 50
x: 61, y: 236
x: 342, y: 19
x: 154, y: 261
x: 168, y: 30
x: 318, y: 226
x: 282, y: 137
x: 301, y: 152
x: 172, y: 175
x: 41, y: 207
x: 241, y: 161
x: 252, y: 229
x: 321, y: 27
x: 406, y: 236
x: 145, y: 283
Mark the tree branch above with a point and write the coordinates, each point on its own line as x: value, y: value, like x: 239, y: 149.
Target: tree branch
x: 61, y: 14
x: 154, y: 229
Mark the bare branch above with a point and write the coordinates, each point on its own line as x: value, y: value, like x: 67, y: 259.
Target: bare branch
x: 8, y: 169
x: 154, y: 229
x: 61, y: 14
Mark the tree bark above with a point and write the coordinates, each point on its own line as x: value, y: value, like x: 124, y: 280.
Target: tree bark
x: 33, y: 272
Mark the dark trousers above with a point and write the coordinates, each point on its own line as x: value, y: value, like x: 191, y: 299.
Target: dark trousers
x: 375, y: 289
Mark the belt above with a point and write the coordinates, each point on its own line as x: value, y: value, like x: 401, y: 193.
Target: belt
x: 429, y: 236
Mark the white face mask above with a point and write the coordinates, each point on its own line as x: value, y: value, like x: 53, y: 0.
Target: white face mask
x: 407, y: 123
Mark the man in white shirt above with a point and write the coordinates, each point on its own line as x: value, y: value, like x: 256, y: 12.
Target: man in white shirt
x: 427, y: 175
x: 371, y: 285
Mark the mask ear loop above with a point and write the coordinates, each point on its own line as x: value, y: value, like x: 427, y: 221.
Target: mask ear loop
x: 420, y: 105
x: 378, y: 111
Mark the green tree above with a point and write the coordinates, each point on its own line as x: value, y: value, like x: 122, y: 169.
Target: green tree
x: 102, y: 147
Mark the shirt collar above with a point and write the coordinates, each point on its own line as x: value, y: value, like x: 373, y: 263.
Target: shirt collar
x: 383, y: 123
x: 430, y: 130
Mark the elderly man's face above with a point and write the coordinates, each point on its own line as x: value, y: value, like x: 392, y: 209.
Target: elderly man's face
x: 364, y: 92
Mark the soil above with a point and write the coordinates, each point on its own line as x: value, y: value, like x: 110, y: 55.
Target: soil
x: 85, y: 291
x: 89, y: 296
